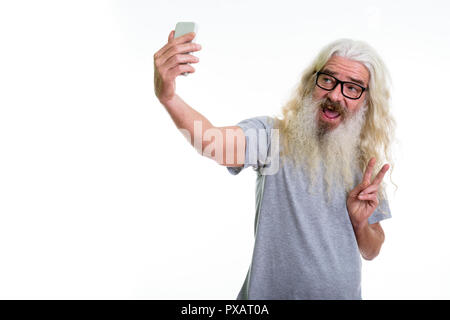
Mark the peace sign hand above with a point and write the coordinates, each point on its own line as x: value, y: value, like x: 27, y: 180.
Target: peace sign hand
x: 362, y: 200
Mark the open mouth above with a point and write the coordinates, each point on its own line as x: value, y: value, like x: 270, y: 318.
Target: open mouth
x: 330, y: 114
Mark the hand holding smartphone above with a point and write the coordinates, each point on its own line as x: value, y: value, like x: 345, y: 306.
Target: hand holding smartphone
x: 173, y: 59
x: 185, y: 27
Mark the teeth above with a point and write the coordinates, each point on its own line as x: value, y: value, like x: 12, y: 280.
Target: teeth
x: 331, y: 109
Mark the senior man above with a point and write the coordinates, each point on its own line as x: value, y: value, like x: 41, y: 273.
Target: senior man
x: 320, y: 194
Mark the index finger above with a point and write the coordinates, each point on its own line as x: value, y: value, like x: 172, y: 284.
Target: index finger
x: 171, y: 41
x: 368, y: 172
x: 184, y: 38
x: 380, y: 175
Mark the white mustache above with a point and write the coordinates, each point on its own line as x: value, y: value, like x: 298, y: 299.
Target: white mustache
x: 335, y: 106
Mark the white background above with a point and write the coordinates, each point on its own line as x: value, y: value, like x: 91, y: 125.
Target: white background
x: 102, y: 198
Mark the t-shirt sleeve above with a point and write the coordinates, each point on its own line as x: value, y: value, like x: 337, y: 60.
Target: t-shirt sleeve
x: 382, y: 212
x: 257, y: 132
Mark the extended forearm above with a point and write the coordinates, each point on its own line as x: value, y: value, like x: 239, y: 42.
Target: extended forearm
x: 189, y: 120
x: 369, y: 241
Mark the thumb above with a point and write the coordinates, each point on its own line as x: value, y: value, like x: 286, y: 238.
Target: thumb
x: 171, y: 35
x: 360, y: 187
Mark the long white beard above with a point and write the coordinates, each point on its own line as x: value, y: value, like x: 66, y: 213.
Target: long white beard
x: 334, y: 151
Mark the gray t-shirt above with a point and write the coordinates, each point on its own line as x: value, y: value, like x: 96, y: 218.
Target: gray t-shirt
x: 305, y: 248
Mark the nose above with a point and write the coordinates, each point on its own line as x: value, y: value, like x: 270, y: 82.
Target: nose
x: 335, y: 95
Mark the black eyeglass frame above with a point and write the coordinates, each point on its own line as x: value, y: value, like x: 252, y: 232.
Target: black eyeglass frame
x: 337, y: 83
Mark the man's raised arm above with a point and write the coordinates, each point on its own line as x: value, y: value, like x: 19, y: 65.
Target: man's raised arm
x: 226, y: 145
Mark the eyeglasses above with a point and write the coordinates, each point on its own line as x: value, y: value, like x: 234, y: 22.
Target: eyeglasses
x: 349, y: 89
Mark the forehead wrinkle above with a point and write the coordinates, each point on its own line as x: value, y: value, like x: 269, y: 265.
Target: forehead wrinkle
x: 353, y: 73
x: 357, y: 81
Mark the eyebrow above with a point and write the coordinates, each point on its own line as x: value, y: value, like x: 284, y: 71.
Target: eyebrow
x: 332, y: 73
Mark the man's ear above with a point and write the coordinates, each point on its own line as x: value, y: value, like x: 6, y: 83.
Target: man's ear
x: 366, y: 101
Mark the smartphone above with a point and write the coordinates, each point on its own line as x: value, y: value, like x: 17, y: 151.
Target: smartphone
x: 185, y: 27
